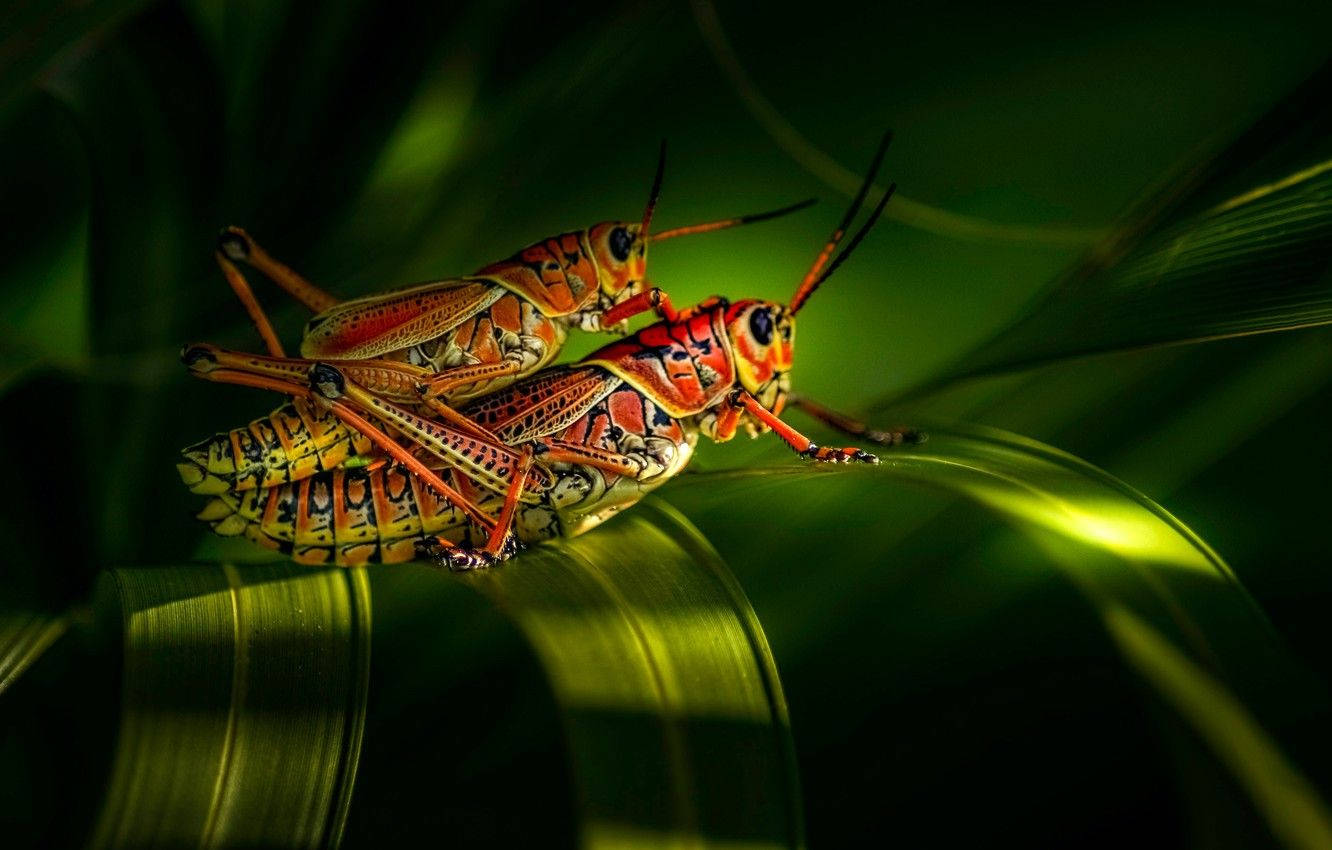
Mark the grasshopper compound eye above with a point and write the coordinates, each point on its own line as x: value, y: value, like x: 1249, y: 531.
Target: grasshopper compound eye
x: 620, y: 243
x: 760, y: 326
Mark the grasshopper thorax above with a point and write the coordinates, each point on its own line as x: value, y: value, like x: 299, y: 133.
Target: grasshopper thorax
x: 762, y: 336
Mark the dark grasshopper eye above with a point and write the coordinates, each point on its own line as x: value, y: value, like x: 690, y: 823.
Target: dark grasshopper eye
x: 760, y: 326
x: 620, y: 243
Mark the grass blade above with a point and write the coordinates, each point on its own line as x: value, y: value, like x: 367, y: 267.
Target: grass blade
x: 652, y: 648
x: 1240, y: 244
x: 244, y: 696
x: 1178, y: 617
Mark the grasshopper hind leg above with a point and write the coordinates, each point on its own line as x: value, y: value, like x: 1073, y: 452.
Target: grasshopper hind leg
x: 500, y: 545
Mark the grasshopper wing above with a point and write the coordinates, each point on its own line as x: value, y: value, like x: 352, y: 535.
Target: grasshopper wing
x: 543, y: 404
x: 377, y: 324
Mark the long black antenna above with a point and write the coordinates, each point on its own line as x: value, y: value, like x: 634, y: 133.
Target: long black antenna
x: 816, y: 274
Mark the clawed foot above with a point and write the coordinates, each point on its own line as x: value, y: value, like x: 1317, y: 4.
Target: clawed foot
x: 824, y: 454
x: 459, y: 559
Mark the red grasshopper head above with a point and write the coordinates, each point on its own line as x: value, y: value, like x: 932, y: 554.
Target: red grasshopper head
x: 620, y: 248
x: 762, y: 335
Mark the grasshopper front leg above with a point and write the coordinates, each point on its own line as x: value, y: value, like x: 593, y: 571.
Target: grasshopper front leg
x: 740, y: 402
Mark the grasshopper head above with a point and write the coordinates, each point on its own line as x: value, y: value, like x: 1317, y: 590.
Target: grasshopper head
x: 762, y: 332
x: 762, y: 335
x: 621, y: 255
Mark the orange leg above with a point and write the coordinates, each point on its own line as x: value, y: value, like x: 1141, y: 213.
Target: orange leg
x: 504, y: 523
x: 387, y: 378
x: 651, y: 299
x: 499, y: 546
x: 251, y: 304
x: 237, y: 245
x: 802, y: 445
x: 558, y: 451
x: 491, y: 463
x: 855, y: 428
x: 354, y: 420
x: 445, y: 382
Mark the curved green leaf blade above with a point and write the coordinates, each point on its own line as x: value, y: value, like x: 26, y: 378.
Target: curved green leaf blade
x: 24, y: 636
x: 1172, y: 607
x: 243, y: 704
x: 246, y: 690
x: 1297, y: 815
x: 674, y: 712
x: 1240, y: 244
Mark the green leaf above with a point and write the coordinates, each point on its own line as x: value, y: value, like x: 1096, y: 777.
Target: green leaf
x: 246, y: 691
x: 24, y: 636
x: 1176, y: 613
x: 674, y: 711
x: 1238, y: 244
x: 243, y: 703
x: 1293, y: 808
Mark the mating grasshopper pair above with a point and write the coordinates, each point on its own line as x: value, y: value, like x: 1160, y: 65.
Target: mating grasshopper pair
x: 398, y: 442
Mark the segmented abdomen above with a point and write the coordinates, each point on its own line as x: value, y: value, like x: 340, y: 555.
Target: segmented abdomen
x: 345, y: 517
x: 293, y: 442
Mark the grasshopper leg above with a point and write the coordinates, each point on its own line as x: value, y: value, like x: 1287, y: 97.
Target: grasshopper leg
x: 389, y: 379
x: 236, y: 245
x: 501, y: 545
x: 352, y: 419
x: 741, y: 401
x: 855, y: 428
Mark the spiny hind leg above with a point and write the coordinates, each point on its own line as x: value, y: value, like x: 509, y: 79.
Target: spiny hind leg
x: 390, y: 379
x: 433, y: 387
x: 253, y: 309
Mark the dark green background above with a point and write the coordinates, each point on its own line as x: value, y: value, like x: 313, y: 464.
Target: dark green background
x: 943, y: 688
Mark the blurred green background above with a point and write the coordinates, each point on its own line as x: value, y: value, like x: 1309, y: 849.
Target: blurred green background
x: 948, y: 682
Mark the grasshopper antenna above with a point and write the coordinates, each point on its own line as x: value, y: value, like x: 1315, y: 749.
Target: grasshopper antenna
x: 855, y: 240
x: 656, y: 193
x: 817, y: 274
x: 722, y: 224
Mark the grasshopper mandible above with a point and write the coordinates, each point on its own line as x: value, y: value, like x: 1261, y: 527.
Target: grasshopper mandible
x: 553, y: 454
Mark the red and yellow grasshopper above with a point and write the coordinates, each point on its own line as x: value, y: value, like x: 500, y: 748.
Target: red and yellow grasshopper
x: 551, y: 455
x: 431, y: 344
